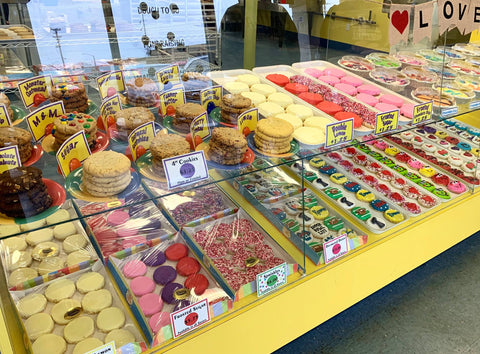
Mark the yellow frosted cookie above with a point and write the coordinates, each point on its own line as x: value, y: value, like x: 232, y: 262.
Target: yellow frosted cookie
x: 248, y: 79
x: 44, y: 250
x: 338, y: 178
x: 58, y: 216
x: 110, y: 318
x: 9, y: 229
x: 236, y: 87
x: 78, y: 329
x: 96, y: 301
x: 38, y: 236
x: 49, y: 344
x: 365, y: 196
x: 300, y: 111
x: 309, y: 136
x: 393, y: 215
x: 60, y: 312
x: 31, y: 304
x: 90, y: 281
x: 120, y: 337
x: 62, y: 231
x: 14, y: 244
x: 269, y: 109
x: 32, y: 225
x: 38, y: 324
x: 280, y: 98
x: 74, y: 242
x: 78, y: 257
x: 316, y: 162
x: 18, y: 259
x: 59, y: 290
x: 51, y: 264
x: 20, y: 275
x: 319, y: 212
x: 264, y: 89
x: 255, y: 97
x: 87, y: 345
x: 290, y: 118
x: 317, y: 122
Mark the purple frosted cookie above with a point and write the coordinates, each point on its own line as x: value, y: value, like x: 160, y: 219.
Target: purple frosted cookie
x: 154, y: 258
x: 164, y: 275
x: 168, y: 290
x: 181, y: 304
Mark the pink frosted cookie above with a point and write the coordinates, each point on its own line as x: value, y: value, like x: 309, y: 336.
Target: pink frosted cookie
x: 346, y: 88
x: 407, y: 110
x: 117, y: 217
x: 314, y: 72
x: 159, y: 320
x: 142, y: 285
x: 150, y: 304
x: 133, y: 241
x: 367, y: 99
x: 385, y: 107
x: 350, y: 80
x: 331, y: 80
x: 415, y: 164
x: 134, y: 268
x: 369, y: 89
x: 456, y: 187
x: 391, y: 99
x: 380, y: 145
x: 334, y: 72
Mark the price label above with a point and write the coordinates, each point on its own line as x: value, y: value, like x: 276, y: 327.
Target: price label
x: 271, y: 279
x: 189, y: 318
x: 339, y: 132
x: 172, y: 98
x: 9, y: 158
x: 335, y: 248
x: 110, y: 106
x: 247, y: 121
x: 4, y: 117
x: 141, y: 138
x: 35, y: 90
x: 170, y: 74
x: 108, y: 348
x: 40, y: 122
x: 73, y: 152
x: 386, y: 122
x: 185, y: 169
x: 110, y: 83
x: 211, y: 97
x: 200, y: 127
x: 422, y: 112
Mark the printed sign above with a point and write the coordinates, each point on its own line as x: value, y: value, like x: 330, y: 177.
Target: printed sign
x: 110, y: 83
x: 40, y: 122
x: 140, y: 139
x: 108, y: 348
x: 386, y: 122
x: 271, y: 279
x: 422, y: 112
x: 189, y: 318
x: 173, y: 99
x: 35, y: 90
x: 185, y: 169
x: 4, y: 117
x: 110, y: 107
x: 247, y: 121
x: 9, y: 158
x: 169, y: 74
x: 211, y: 97
x: 73, y: 152
x: 200, y: 127
x: 339, y: 132
x: 335, y: 248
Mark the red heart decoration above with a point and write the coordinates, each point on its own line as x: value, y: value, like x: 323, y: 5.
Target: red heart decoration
x: 400, y: 20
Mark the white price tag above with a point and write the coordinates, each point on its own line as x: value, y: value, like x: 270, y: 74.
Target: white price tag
x: 185, y: 169
x: 335, y: 248
x: 108, y: 348
x: 271, y: 279
x: 189, y: 318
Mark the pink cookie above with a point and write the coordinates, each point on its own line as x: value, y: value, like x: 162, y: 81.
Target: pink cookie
x: 348, y: 89
x: 456, y: 187
x: 415, y: 164
x: 123, y: 233
x: 133, y: 241
x: 331, y: 80
x: 150, y: 304
x: 334, y: 72
x: 142, y: 285
x: 392, y: 99
x: 367, y: 99
x: 314, y: 72
x: 159, y: 320
x: 134, y: 268
x: 385, y: 107
x: 369, y: 89
x: 350, y: 80
x: 407, y: 110
x: 117, y: 217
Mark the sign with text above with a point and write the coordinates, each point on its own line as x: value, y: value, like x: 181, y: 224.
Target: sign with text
x: 40, y: 122
x: 4, y: 117
x: 211, y: 96
x: 110, y: 83
x: 170, y: 74
x: 386, y: 122
x: 271, y: 279
x: 9, y: 158
x: 189, y: 318
x: 185, y: 169
x: 335, y: 248
x: 140, y: 139
x: 247, y: 121
x: 172, y: 98
x: 110, y: 106
x: 422, y: 112
x: 339, y: 132
x: 73, y: 152
x: 108, y: 348
x: 31, y: 89
x: 200, y: 127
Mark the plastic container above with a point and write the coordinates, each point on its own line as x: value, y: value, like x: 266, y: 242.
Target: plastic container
x: 419, y: 76
x: 441, y: 103
x: 358, y: 65
x: 383, y: 60
x: 390, y: 78
x: 410, y: 59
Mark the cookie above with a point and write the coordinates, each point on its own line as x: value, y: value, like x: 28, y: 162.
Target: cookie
x: 59, y: 216
x: 274, y: 128
x: 51, y: 264
x: 227, y: 146
x: 13, y: 244
x: 60, y: 290
x: 38, y: 324
x: 49, y: 343
x: 67, y: 125
x: 106, y: 164
x: 78, y: 329
x: 184, y: 115
x: 232, y: 106
x: 110, y: 318
x: 31, y: 304
x: 90, y: 281
x: 44, y: 250
x: 20, y: 275
x: 87, y: 345
x: 60, y: 310
x: 62, y: 231
x: 96, y: 301
x: 10, y: 136
x: 73, y: 96
x: 78, y: 257
x: 130, y: 118
x: 141, y: 92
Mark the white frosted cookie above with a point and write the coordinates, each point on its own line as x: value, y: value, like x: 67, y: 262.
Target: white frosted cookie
x: 32, y: 225
x: 50, y: 265
x: 309, y: 135
x: 49, y: 344
x: 248, y: 79
x: 236, y: 87
x: 270, y: 109
x: 59, y: 290
x: 38, y: 324
x: 110, y: 318
x: 20, y: 275
x: 9, y: 229
x: 35, y: 237
x: 62, y: 231
x: 96, y: 301
x: 300, y: 111
x: 280, y: 98
x: 255, y: 97
x: 74, y: 242
x: 58, y: 216
x: 44, y: 250
x: 90, y: 281
x: 31, y: 304
x: 18, y: 259
x: 87, y: 345
x: 13, y: 244
x: 291, y: 118
x: 120, y: 337
x: 78, y: 257
x: 264, y: 89
x: 60, y: 310
x: 78, y: 329
x: 317, y: 122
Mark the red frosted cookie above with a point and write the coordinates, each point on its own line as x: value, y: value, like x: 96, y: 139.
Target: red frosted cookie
x: 187, y: 266
x: 278, y: 79
x: 441, y: 179
x: 310, y: 97
x: 357, y: 121
x: 197, y: 282
x: 295, y: 88
x: 176, y: 252
x: 329, y: 107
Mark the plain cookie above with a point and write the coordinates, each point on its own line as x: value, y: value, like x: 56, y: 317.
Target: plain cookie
x: 110, y: 318
x: 78, y: 329
x: 62, y: 231
x: 90, y: 281
x: 31, y: 304
x: 49, y: 344
x: 38, y: 324
x: 59, y: 290
x: 96, y: 301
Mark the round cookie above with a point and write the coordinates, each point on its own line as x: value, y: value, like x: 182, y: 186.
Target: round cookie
x: 254, y: 97
x: 100, y: 164
x: 164, y: 275
x: 38, y: 324
x: 10, y: 229
x: 130, y: 118
x: 269, y: 109
x: 158, y: 321
x: 187, y: 266
x: 393, y: 215
x: 35, y: 237
x: 110, y: 318
x: 78, y: 257
x: 49, y: 343
x: 59, y: 311
x: 280, y: 98
x: 87, y: 345
x: 18, y: 259
x: 12, y: 244
x: 120, y: 337
x: 134, y: 268
x: 236, y: 87
x: 263, y: 89
x: 78, y: 329
x: 142, y: 285
x: 176, y: 252
x: 96, y: 301
x: 59, y: 290
x: 154, y: 258
x: 44, y: 250
x: 90, y: 281
x: 20, y: 275
x: 197, y: 282
x: 74, y: 242
x: 31, y: 304
x: 50, y: 264
x: 248, y: 79
x: 62, y: 231
x: 150, y: 304
x: 58, y: 216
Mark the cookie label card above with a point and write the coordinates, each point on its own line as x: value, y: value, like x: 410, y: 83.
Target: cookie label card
x: 335, y: 248
x: 110, y: 83
x: 9, y: 158
x: 110, y: 106
x: 73, y: 152
x: 200, y: 127
x: 189, y: 318
x: 173, y: 99
x: 247, y: 121
x: 35, y: 90
x: 422, y: 112
x: 170, y: 74
x: 271, y: 279
x: 4, y: 118
x: 211, y: 97
x: 108, y: 348
x: 185, y: 169
x: 339, y: 132
x: 386, y: 122
x: 40, y: 122
x: 140, y: 139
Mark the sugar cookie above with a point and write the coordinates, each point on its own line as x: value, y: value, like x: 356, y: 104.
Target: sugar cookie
x: 96, y: 301
x: 59, y: 290
x: 78, y: 329
x: 38, y: 324
x: 14, y: 244
x: 150, y: 303
x: 31, y: 304
x: 49, y: 344
x: 159, y: 320
x: 9, y: 229
x: 50, y: 265
x: 58, y: 216
x: 18, y: 259
x: 87, y: 345
x: 74, y: 242
x: 61, y: 309
x: 32, y: 225
x: 142, y: 285
x: 110, y: 318
x: 20, y: 275
x: 134, y: 268
x: 78, y: 257
x: 35, y: 237
x: 90, y: 281
x: 62, y: 231
x: 120, y: 337
x: 44, y: 250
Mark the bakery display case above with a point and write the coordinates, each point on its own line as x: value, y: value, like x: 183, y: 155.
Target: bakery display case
x: 154, y: 200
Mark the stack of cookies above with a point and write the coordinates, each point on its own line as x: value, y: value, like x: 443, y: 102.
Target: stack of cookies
x: 232, y: 106
x: 23, y: 193
x: 106, y: 173
x: 130, y: 118
x: 73, y: 96
x: 4, y: 100
x: 67, y: 125
x: 141, y: 92
x: 193, y: 83
x: 273, y: 135
x: 10, y: 136
x: 227, y: 146
x: 165, y: 146
x: 184, y: 115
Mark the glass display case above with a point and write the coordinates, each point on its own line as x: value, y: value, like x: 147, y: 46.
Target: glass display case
x: 176, y: 175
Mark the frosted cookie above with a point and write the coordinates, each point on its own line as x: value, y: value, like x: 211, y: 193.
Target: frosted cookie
x: 62, y: 231
x: 35, y: 237
x: 255, y: 97
x: 316, y: 162
x: 78, y: 329
x: 120, y: 337
x: 309, y: 136
x: 31, y: 304
x: 59, y: 216
x: 317, y: 122
x: 300, y: 111
x: 319, y: 230
x: 134, y: 268
x: 78, y: 257
x: 38, y: 324
x: 12, y: 244
x: 87, y: 345
x: 96, y: 301
x: 20, y: 275
x: 74, y: 242
x: 110, y: 318
x: 9, y: 229
x: 280, y: 98
x: 90, y: 281
x: 269, y: 109
x: 158, y: 321
x: 44, y: 250
x: 60, y: 290
x: 248, y: 79
x: 291, y: 118
x: 50, y: 265
x: 60, y: 311
x: 236, y: 87
x: 32, y: 225
x: 142, y: 285
x: 49, y: 343
x: 18, y: 259
x: 151, y: 303
x: 263, y: 89
x: 393, y: 215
